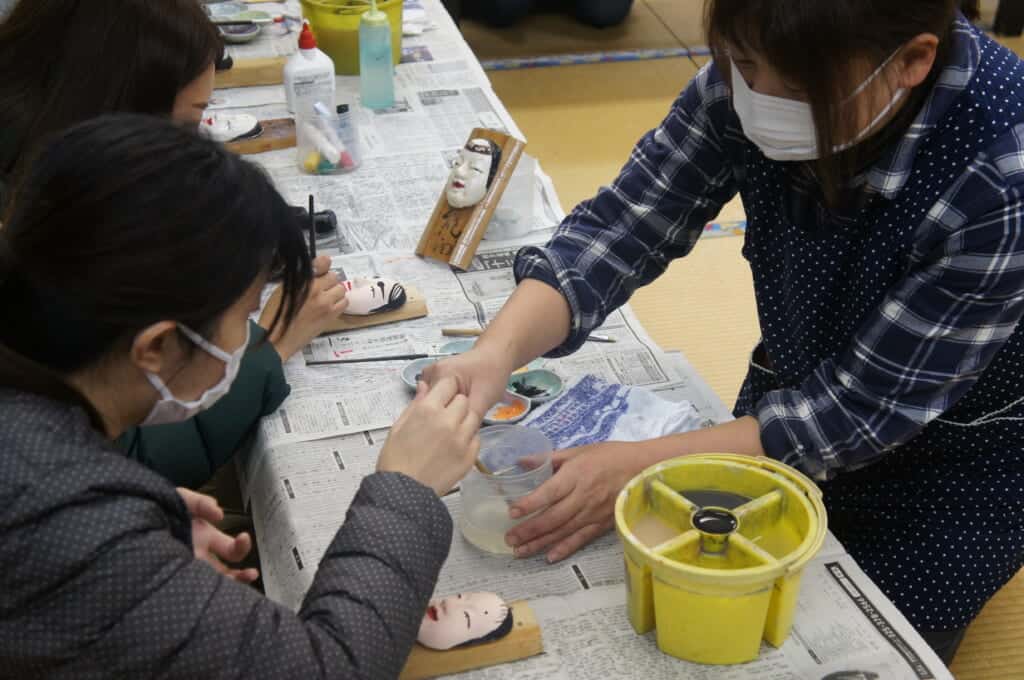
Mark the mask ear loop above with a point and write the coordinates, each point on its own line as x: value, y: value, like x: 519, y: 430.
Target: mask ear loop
x: 897, y: 98
x: 157, y: 382
x: 208, y: 347
x: 204, y: 344
x: 871, y: 78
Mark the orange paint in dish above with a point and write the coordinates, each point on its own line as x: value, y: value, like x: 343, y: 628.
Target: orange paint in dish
x: 509, y: 411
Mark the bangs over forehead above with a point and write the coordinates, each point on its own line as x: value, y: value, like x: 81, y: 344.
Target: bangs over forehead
x: 792, y: 35
x: 810, y: 40
x: 826, y: 48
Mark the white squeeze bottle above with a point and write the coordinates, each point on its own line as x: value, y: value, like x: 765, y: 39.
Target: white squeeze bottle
x: 308, y: 76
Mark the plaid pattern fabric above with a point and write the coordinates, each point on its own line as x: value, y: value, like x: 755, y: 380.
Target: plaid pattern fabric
x: 938, y: 317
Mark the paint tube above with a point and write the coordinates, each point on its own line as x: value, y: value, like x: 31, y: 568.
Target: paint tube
x: 328, y: 151
x: 329, y: 123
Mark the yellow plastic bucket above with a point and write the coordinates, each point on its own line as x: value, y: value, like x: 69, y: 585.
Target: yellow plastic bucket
x: 715, y: 578
x: 336, y: 26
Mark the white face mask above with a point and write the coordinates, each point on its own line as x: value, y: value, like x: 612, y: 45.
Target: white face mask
x: 784, y: 128
x: 170, y: 409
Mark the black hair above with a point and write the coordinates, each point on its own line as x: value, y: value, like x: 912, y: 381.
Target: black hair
x: 66, y: 61
x: 501, y: 631
x: 492, y: 148
x: 815, y: 44
x: 124, y: 221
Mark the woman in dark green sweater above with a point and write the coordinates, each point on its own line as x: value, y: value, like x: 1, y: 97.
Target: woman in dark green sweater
x: 63, y: 62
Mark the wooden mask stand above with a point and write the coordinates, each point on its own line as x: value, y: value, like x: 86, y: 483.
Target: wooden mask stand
x: 453, y: 234
x: 522, y: 642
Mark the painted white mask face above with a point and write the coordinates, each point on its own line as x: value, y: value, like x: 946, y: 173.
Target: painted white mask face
x: 372, y: 296
x: 467, y: 183
x: 468, y: 617
x: 221, y: 127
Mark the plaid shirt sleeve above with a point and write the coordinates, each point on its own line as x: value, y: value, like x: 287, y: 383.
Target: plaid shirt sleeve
x: 676, y: 180
x: 930, y: 339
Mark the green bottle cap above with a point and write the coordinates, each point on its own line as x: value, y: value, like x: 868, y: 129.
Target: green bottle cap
x: 374, y: 17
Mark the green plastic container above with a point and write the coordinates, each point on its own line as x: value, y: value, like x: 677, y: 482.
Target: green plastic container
x: 336, y: 26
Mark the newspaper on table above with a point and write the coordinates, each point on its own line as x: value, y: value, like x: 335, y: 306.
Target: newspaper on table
x: 843, y: 622
x: 339, y: 399
x: 407, y: 152
x: 441, y: 95
x: 279, y: 39
x: 300, y: 487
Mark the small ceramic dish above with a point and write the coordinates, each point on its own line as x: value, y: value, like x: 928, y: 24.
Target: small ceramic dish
x: 411, y: 372
x: 511, y: 409
x: 458, y: 346
x: 462, y: 346
x: 239, y: 34
x: 539, y: 385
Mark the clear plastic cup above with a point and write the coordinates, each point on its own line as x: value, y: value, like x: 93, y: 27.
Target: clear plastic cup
x: 486, y: 498
x: 327, y: 142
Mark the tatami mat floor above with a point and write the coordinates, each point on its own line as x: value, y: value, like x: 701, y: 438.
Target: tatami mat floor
x: 581, y: 122
x: 652, y: 24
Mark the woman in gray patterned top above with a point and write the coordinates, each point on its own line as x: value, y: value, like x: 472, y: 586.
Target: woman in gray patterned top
x: 131, y: 262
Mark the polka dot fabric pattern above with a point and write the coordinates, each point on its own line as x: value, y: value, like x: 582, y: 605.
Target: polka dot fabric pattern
x: 892, y: 362
x: 97, y: 577
x: 928, y: 498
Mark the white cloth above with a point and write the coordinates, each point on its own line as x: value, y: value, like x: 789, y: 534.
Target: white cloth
x: 593, y: 411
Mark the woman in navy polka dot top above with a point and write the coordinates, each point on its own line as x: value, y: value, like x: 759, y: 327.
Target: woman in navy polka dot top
x: 878, y: 148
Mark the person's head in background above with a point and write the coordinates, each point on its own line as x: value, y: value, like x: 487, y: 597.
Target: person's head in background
x: 66, y: 61
x: 133, y: 256
x: 863, y: 67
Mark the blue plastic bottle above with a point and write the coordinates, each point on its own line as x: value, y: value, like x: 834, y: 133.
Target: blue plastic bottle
x: 376, y: 70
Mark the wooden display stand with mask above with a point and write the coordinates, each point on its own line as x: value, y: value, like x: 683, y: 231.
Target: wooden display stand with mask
x: 480, y: 174
x: 372, y: 301
x: 469, y: 631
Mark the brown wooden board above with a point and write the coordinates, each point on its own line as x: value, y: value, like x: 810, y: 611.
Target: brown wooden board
x: 250, y: 72
x: 522, y: 642
x: 453, y: 234
x: 415, y: 307
x: 278, y: 133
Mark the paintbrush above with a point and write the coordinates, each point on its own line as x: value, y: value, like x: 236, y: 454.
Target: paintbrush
x: 312, y: 229
x: 461, y: 332
x: 476, y: 332
x: 365, y: 360
x: 241, y: 22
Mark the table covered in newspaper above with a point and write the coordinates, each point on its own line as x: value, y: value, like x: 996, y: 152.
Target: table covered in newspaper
x: 312, y: 454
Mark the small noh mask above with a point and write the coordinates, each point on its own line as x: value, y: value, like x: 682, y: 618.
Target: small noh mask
x: 227, y: 127
x: 463, y: 620
x: 373, y: 296
x: 472, y: 173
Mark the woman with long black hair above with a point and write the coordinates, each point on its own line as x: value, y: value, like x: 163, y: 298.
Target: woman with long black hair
x: 66, y: 61
x: 109, y: 321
